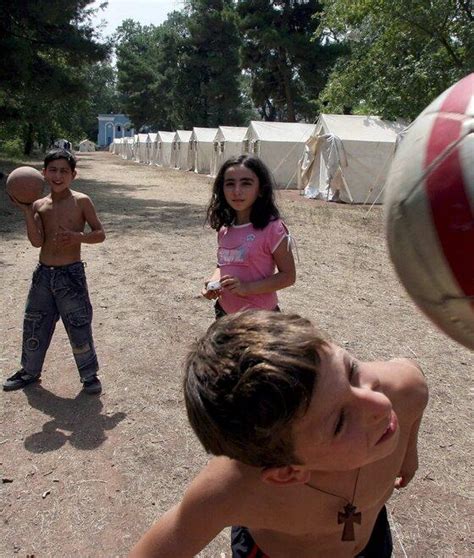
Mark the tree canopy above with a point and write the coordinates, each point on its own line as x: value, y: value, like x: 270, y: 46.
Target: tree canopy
x: 400, y: 54
x: 224, y: 62
x: 46, y: 47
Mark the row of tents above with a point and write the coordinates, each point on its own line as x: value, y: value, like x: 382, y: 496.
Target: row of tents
x: 340, y: 158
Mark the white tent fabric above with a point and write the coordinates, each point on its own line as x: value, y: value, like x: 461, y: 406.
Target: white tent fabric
x: 127, y: 149
x: 180, y: 150
x: 347, y: 158
x: 140, y: 147
x: 150, y: 148
x: 86, y: 146
x: 117, y: 145
x: 201, y: 145
x: 280, y: 146
x: 162, y: 148
x: 227, y: 143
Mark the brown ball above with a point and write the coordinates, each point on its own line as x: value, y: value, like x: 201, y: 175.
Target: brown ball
x: 25, y: 184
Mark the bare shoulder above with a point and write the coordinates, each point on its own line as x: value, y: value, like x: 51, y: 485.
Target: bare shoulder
x: 224, y: 487
x: 42, y: 202
x: 407, y: 384
x: 81, y: 197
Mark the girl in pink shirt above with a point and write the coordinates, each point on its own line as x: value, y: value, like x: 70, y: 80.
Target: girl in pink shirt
x: 254, y: 257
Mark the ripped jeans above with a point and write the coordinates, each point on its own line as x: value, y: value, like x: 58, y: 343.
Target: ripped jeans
x: 58, y: 292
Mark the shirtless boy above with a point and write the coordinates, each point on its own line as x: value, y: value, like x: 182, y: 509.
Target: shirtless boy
x: 56, y: 224
x: 311, y: 443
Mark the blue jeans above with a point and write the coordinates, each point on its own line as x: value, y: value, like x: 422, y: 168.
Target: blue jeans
x: 58, y: 292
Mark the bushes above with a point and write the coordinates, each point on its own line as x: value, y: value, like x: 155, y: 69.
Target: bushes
x: 12, y: 147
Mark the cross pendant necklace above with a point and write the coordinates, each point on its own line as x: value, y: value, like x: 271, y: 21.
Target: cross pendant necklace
x: 349, y: 516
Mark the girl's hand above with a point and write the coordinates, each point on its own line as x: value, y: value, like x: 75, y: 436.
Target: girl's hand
x: 234, y: 285
x: 210, y: 295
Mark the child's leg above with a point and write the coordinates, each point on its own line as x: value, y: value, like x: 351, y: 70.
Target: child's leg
x: 72, y: 299
x: 39, y: 322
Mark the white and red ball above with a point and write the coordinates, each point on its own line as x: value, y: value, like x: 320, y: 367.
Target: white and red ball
x: 25, y: 184
x: 429, y: 211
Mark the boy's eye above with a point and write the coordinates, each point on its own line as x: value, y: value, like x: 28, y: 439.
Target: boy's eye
x: 352, y: 370
x: 340, y: 423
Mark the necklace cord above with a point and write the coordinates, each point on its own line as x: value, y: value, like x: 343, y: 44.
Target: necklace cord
x: 338, y: 495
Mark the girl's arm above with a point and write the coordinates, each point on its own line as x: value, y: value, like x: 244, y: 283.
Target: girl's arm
x: 285, y: 277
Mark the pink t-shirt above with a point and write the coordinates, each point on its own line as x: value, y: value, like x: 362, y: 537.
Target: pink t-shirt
x: 247, y: 253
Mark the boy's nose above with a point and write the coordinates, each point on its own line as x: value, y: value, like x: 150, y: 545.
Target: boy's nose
x: 375, y: 405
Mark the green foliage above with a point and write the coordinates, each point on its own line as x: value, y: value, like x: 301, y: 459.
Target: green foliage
x: 287, y: 64
x: 402, y: 54
x: 45, y: 45
x: 137, y: 51
x: 12, y: 148
x: 183, y: 73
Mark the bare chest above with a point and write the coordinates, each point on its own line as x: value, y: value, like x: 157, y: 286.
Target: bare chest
x: 65, y: 214
x: 337, y: 520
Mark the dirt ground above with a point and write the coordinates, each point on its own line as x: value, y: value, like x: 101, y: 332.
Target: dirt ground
x: 86, y: 476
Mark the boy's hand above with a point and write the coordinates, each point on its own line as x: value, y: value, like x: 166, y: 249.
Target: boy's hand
x: 407, y: 471
x: 23, y: 206
x: 66, y: 237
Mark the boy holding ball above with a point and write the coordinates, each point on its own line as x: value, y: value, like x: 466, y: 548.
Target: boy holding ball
x: 56, y: 224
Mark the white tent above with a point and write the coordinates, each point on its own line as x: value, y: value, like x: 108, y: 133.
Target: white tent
x: 280, y: 146
x: 227, y: 144
x: 201, y: 145
x: 140, y: 147
x: 150, y: 148
x: 162, y: 148
x: 117, y: 146
x: 180, y: 150
x: 347, y: 158
x: 86, y: 145
x: 127, y: 148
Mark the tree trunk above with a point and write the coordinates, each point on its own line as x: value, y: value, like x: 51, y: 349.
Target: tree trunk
x: 29, y: 140
x: 285, y: 74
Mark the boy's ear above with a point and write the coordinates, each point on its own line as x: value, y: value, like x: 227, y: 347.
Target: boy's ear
x: 290, y: 474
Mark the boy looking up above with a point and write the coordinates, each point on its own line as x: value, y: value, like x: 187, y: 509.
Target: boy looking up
x: 56, y: 224
x: 311, y: 443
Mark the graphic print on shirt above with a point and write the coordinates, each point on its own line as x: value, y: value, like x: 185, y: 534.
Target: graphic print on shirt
x: 235, y: 256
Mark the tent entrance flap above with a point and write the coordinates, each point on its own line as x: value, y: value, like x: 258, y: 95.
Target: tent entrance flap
x: 324, y: 175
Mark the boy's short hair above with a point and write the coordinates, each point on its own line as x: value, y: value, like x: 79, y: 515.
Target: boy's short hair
x: 247, y: 379
x: 56, y: 154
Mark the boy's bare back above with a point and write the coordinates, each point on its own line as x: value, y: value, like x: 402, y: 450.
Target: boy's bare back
x: 287, y: 517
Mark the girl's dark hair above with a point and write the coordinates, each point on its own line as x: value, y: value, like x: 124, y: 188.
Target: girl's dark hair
x: 246, y: 382
x: 264, y: 210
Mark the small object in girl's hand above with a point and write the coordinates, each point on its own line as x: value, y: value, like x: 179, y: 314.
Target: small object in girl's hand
x: 213, y: 286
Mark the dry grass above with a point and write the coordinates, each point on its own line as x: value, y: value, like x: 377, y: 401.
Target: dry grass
x: 89, y: 475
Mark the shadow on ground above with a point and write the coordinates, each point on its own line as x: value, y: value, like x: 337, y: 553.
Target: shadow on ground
x: 80, y: 416
x: 115, y: 203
